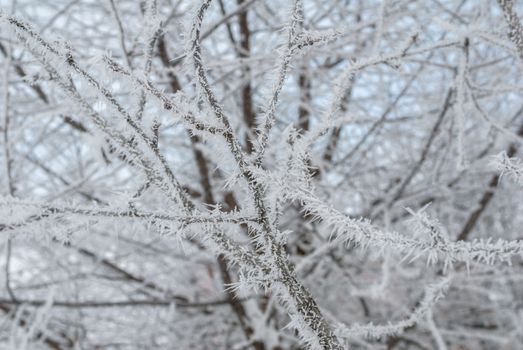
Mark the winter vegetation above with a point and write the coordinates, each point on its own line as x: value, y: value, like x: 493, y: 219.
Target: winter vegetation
x: 261, y: 174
